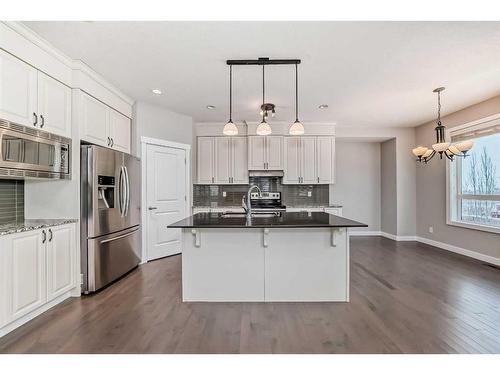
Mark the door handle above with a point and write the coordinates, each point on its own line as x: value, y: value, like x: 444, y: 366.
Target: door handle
x: 127, y: 197
x: 109, y: 141
x: 51, y: 235
x: 119, y: 237
x: 112, y: 142
x: 44, y: 236
x: 43, y: 121
x: 35, y: 117
x: 150, y: 208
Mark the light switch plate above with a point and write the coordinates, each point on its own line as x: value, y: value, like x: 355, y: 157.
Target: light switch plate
x: 224, y: 194
x: 309, y: 193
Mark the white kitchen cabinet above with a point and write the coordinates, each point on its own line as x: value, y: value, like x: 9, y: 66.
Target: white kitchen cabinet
x: 119, y: 131
x: 37, y: 267
x: 325, y: 148
x: 309, y: 160
x: 102, y: 125
x: 26, y: 287
x: 222, y: 160
x: 265, y: 152
x: 18, y: 90
x: 54, y: 106
x: 31, y: 98
x: 94, y: 120
x: 205, y: 163
x: 61, y: 275
x: 239, y: 158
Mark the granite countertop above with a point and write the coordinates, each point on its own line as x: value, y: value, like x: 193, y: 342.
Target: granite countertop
x: 239, y: 207
x: 284, y: 220
x: 32, y: 224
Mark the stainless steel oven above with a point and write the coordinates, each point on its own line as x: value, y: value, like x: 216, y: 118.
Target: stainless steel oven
x: 31, y: 153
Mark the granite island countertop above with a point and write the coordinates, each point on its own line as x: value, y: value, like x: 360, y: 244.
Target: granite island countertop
x: 32, y: 224
x: 283, y: 220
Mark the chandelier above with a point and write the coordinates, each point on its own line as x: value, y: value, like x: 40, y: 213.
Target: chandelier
x: 424, y: 154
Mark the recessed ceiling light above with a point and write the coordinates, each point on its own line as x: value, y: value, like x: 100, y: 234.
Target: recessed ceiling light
x: 323, y: 106
x: 156, y: 91
x: 211, y: 107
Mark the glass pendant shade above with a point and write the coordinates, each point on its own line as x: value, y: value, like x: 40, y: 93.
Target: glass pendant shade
x: 454, y: 150
x: 296, y: 129
x: 464, y: 146
x: 440, y: 147
x: 264, y: 128
x: 419, y: 151
x: 230, y: 129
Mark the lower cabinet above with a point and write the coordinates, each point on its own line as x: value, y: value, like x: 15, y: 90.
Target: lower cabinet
x: 36, y: 267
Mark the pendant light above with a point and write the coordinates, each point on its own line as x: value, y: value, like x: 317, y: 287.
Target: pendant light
x: 442, y: 147
x: 230, y: 128
x: 263, y: 128
x: 296, y: 128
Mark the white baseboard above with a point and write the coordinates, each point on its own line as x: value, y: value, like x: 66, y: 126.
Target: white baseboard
x: 383, y: 234
x: 364, y: 233
x: 461, y: 251
x: 26, y: 318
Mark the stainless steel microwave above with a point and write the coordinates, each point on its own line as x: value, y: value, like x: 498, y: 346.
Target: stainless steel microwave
x: 31, y: 153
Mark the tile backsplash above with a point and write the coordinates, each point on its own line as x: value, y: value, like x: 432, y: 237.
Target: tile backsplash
x: 11, y: 201
x: 291, y: 195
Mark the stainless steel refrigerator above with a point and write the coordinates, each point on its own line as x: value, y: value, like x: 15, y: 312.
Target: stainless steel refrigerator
x: 110, y: 215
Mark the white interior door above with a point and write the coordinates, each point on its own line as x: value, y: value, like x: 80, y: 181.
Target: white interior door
x: 166, y: 199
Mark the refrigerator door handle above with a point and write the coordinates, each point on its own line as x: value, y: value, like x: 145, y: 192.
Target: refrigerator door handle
x: 120, y: 191
x: 127, y: 194
x: 119, y: 237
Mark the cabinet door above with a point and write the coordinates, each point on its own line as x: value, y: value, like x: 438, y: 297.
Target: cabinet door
x: 291, y: 157
x: 205, y: 163
x: 274, y: 151
x: 119, y: 131
x: 54, y: 105
x: 239, y: 158
x: 60, y: 260
x: 18, y: 93
x: 256, y: 152
x: 326, y: 159
x: 27, y: 281
x: 95, y: 121
x: 222, y: 162
x: 308, y: 170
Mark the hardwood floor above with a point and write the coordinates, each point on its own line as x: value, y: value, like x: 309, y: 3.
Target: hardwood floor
x: 406, y: 297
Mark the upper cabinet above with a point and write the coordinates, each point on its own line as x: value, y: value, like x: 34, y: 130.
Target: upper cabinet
x: 18, y: 90
x: 54, y: 105
x: 102, y: 125
x: 265, y: 152
x: 222, y: 160
x: 31, y: 98
x: 309, y: 160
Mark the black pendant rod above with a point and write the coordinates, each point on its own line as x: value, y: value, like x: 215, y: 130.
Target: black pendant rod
x: 296, y: 94
x: 230, y: 93
x: 263, y: 94
x: 264, y: 61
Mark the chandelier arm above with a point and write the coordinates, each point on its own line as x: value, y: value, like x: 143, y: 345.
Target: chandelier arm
x: 448, y: 156
x: 430, y: 156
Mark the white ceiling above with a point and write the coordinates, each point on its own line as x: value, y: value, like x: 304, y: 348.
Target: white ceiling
x: 369, y: 73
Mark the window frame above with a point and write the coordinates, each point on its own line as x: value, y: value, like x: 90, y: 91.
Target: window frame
x: 454, y: 194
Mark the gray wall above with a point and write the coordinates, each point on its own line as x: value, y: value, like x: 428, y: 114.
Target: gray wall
x: 431, y: 189
x: 157, y: 122
x: 357, y: 182
x: 388, y: 177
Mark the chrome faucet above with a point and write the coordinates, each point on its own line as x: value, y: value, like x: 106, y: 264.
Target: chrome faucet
x: 248, y: 205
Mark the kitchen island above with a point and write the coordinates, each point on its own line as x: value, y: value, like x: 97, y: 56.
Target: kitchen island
x: 291, y: 256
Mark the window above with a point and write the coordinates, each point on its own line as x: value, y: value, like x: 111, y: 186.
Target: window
x: 474, y: 181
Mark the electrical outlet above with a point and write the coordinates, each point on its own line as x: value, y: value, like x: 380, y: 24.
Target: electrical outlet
x: 224, y: 194
x: 431, y: 229
x: 309, y: 193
